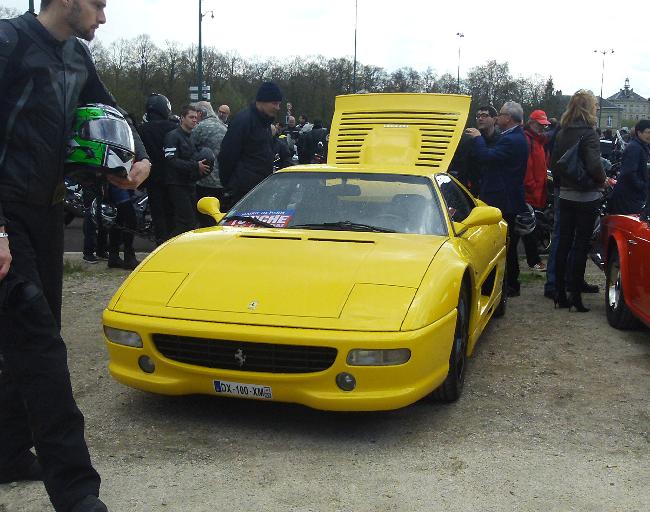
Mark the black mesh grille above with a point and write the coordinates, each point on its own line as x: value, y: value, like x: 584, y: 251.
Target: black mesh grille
x: 245, y: 356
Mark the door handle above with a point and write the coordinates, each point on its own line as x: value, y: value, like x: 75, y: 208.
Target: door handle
x: 632, y: 242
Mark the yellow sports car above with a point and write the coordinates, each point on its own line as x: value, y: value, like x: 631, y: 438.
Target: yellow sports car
x: 359, y: 285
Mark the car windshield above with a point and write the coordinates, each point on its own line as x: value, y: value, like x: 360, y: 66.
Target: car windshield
x: 388, y: 203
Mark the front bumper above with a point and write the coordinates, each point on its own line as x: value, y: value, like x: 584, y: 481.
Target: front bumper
x: 378, y: 387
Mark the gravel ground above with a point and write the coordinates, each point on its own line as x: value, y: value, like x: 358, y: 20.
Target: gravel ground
x: 555, y: 417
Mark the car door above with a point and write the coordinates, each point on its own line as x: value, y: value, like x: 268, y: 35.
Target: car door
x: 479, y: 244
x: 638, y: 246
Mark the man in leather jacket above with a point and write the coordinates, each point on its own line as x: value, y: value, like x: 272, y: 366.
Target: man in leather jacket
x: 45, y: 73
x: 182, y: 171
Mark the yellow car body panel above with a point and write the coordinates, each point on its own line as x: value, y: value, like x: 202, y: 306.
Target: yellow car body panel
x: 339, y: 290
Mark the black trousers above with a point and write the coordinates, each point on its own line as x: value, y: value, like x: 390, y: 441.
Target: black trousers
x: 118, y: 236
x: 161, y: 211
x: 36, y: 403
x: 577, y: 221
x: 532, y: 252
x: 512, y: 260
x: 183, y: 199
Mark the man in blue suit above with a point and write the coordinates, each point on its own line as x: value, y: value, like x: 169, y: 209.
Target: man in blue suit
x: 502, y: 184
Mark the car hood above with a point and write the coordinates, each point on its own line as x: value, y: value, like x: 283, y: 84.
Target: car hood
x: 321, y: 279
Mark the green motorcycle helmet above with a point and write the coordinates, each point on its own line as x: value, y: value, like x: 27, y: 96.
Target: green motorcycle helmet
x: 101, y: 143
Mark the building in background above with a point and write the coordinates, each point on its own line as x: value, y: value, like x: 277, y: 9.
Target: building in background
x: 633, y: 105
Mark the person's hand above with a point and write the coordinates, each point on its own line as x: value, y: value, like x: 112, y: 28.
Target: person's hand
x: 473, y: 132
x: 5, y: 257
x: 138, y: 173
x: 204, y: 167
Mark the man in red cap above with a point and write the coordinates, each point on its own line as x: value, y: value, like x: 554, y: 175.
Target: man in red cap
x: 535, y: 179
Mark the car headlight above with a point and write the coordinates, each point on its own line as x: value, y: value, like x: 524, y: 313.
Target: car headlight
x: 387, y: 357
x: 121, y: 337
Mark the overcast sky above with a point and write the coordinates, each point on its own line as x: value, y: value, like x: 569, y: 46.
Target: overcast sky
x: 554, y: 37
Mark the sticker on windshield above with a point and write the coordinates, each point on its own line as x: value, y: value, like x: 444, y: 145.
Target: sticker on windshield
x: 277, y: 218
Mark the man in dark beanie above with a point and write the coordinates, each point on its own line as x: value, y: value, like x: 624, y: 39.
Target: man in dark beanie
x: 246, y: 155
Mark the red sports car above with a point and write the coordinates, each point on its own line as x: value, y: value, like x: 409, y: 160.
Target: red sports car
x: 626, y: 244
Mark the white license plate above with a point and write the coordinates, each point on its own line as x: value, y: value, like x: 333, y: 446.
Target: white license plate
x: 223, y: 387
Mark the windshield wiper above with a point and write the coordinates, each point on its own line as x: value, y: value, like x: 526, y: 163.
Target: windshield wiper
x: 252, y: 220
x: 345, y: 225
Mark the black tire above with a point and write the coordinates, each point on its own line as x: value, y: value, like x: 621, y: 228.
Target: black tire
x: 619, y: 315
x: 452, y: 387
x: 500, y: 310
x: 68, y: 217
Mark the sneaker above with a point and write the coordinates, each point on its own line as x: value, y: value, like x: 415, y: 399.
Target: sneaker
x: 538, y: 267
x: 90, y: 504
x: 102, y: 255
x: 90, y: 258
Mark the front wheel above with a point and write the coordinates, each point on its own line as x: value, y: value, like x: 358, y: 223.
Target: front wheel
x: 452, y: 387
x: 618, y: 314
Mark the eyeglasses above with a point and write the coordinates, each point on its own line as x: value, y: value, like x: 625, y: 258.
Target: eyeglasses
x: 483, y: 116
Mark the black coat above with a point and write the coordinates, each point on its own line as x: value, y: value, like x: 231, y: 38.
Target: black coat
x: 246, y: 155
x: 566, y: 138
x: 153, y: 137
x: 631, y: 188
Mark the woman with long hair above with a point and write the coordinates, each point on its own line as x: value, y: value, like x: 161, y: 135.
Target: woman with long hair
x: 578, y: 205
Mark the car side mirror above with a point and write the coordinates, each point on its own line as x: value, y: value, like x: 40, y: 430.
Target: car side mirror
x: 479, y: 216
x: 210, y: 206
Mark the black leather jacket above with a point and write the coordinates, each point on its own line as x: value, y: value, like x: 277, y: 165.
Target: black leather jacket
x: 181, y: 165
x: 42, y: 81
x: 153, y: 137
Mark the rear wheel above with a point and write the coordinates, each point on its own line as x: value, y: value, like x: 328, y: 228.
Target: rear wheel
x: 451, y: 388
x: 618, y: 314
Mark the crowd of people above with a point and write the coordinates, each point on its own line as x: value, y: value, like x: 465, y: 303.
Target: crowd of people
x: 504, y: 162
x: 200, y: 153
x: 46, y: 72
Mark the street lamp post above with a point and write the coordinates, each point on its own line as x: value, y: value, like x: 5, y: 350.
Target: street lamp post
x: 460, y: 36
x: 199, y: 70
x: 602, y: 78
x: 31, y: 6
x: 354, y: 65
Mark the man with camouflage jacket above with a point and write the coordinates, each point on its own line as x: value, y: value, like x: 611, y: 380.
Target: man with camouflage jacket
x: 209, y: 133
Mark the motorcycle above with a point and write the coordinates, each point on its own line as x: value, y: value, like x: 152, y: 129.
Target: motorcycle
x: 73, y: 204
x: 108, y: 216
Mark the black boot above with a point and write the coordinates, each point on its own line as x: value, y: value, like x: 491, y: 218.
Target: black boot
x: 114, y: 260
x: 130, y: 261
x: 575, y: 301
x: 560, y: 299
x: 90, y: 504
